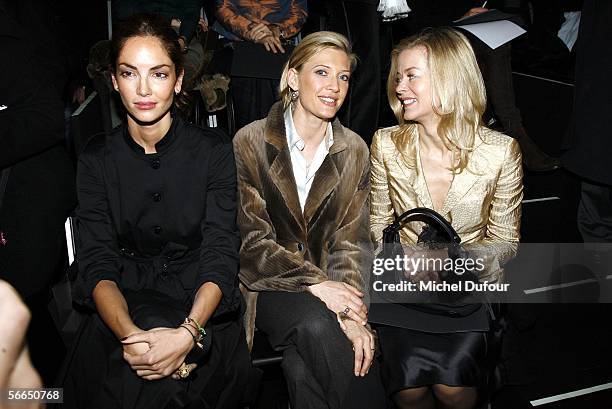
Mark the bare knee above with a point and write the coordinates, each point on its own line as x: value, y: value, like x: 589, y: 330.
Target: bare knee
x: 455, y: 397
x: 413, y: 398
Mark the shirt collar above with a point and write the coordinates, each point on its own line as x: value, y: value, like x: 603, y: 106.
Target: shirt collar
x: 293, y: 138
x: 161, y: 146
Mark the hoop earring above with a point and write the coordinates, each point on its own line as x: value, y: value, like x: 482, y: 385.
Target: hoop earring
x: 294, y: 95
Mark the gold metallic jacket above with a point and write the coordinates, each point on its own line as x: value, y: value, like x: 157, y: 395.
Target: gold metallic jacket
x: 483, y: 203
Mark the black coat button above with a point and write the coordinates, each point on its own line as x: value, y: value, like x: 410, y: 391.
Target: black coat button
x: 157, y: 229
x: 155, y: 163
x: 157, y: 197
x: 300, y: 246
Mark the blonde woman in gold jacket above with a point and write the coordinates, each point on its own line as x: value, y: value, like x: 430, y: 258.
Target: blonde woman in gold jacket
x: 441, y: 156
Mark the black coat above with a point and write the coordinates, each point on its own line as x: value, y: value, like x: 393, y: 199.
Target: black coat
x: 164, y: 222
x: 590, y: 153
x: 158, y: 225
x: 40, y: 191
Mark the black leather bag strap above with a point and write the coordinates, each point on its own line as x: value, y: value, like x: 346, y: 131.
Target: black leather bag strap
x: 3, y: 182
x: 421, y: 214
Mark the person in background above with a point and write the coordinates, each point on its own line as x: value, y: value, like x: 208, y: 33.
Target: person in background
x: 589, y: 151
x: 303, y: 183
x: 442, y: 157
x: 271, y: 23
x: 158, y: 246
x: 266, y: 22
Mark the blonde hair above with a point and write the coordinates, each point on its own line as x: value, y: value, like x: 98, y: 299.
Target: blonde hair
x: 311, y: 45
x: 458, y: 91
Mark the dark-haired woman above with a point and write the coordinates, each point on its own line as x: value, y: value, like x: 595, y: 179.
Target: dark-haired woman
x: 158, y: 249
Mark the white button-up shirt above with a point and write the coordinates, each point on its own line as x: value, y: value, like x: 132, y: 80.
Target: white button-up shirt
x: 302, y: 172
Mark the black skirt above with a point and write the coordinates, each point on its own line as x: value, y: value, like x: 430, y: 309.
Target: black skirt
x: 412, y: 358
x: 98, y: 377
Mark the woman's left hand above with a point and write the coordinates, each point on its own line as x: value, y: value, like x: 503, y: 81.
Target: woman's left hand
x: 168, y: 349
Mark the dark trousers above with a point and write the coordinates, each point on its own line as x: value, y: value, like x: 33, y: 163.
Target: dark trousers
x: 318, y: 360
x: 359, y: 22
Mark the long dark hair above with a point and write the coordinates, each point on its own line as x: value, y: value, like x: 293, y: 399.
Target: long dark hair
x: 150, y: 25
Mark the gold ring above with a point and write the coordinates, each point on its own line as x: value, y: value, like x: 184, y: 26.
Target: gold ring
x: 184, y: 371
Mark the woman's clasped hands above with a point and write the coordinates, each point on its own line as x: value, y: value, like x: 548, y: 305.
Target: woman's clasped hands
x: 159, y: 352
x: 267, y: 35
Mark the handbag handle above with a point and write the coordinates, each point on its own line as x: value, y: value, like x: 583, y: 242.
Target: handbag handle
x: 421, y: 214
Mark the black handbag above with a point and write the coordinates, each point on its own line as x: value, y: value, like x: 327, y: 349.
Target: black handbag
x: 436, y: 234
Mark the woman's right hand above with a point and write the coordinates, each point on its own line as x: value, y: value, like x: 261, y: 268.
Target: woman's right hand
x: 338, y: 296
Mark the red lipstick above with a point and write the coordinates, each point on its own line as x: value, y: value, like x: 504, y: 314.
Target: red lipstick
x: 145, y: 105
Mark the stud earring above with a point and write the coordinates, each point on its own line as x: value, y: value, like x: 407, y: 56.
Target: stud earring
x: 294, y: 95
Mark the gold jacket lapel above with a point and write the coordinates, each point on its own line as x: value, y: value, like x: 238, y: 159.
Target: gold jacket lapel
x: 464, y: 181
x: 413, y: 170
